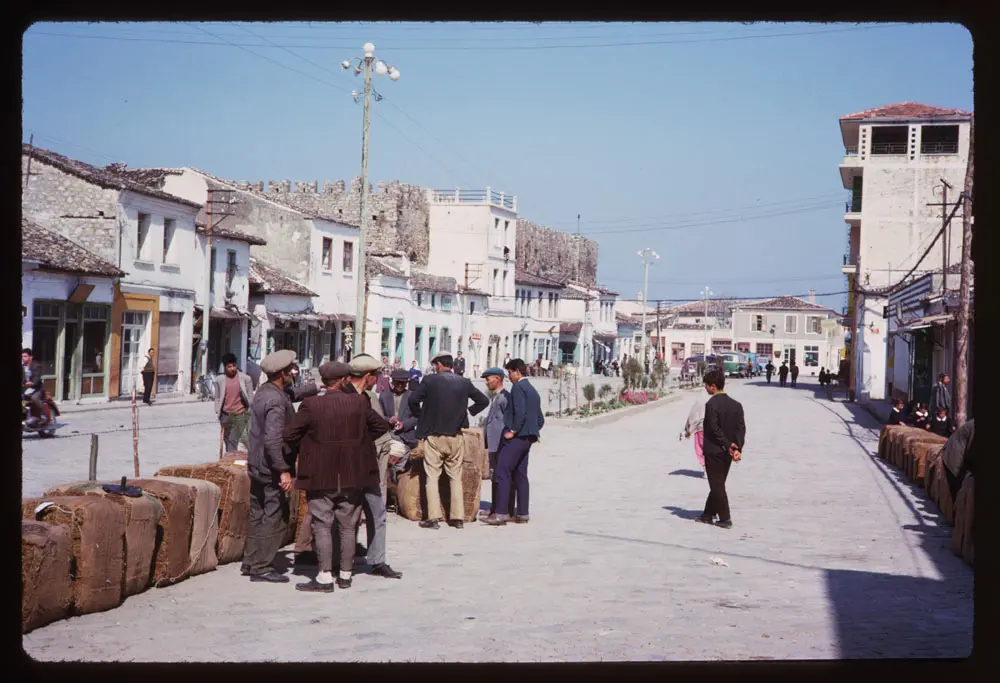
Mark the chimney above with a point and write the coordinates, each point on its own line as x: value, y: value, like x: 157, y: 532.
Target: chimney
x: 812, y: 296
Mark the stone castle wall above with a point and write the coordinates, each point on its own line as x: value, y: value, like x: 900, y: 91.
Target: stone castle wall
x: 554, y: 254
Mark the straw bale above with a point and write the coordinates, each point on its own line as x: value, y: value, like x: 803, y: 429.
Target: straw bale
x: 962, y: 536
x: 205, y: 529
x: 46, y: 573
x: 142, y: 516
x: 171, y: 557
x: 411, y: 493
x: 234, y: 507
x: 97, y: 530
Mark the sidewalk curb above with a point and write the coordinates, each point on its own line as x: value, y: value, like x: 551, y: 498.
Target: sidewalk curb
x: 117, y: 404
x: 615, y: 415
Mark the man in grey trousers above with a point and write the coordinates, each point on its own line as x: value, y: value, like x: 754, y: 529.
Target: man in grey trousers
x: 493, y: 428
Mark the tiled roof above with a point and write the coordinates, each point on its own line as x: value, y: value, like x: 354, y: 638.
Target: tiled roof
x: 150, y: 177
x: 784, y: 303
x: 570, y: 328
x: 270, y: 280
x: 99, y: 176
x: 904, y: 110
x: 627, y: 319
x: 715, y: 307
x: 375, y: 266
x: 433, y: 283
x: 232, y: 234
x: 57, y: 253
x: 522, y: 278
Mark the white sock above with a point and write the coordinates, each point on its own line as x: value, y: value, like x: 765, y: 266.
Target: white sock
x: 324, y: 577
x: 346, y: 576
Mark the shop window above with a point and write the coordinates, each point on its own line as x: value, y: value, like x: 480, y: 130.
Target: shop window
x: 811, y: 354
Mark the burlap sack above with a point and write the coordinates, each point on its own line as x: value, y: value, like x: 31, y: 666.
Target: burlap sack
x: 234, y: 507
x: 142, y: 515
x: 411, y: 492
x: 97, y: 530
x: 475, y: 450
x: 942, y: 495
x: 896, y: 439
x: 921, y: 454
x: 46, y: 581
x: 172, y: 555
x: 296, y: 511
x: 908, y: 452
x: 205, y: 529
x: 962, y: 536
x: 933, y: 462
x: 885, y: 438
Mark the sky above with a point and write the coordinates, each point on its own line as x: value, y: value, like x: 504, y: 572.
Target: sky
x: 715, y: 144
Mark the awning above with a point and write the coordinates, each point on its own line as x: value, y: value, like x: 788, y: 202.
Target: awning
x: 605, y: 338
x: 222, y: 313
x: 923, y: 323
x: 313, y: 319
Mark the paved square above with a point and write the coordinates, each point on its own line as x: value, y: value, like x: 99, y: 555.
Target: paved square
x: 832, y: 555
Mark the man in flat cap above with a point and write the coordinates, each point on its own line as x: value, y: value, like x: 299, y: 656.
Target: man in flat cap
x: 270, y: 466
x: 335, y: 467
x: 396, y: 408
x: 441, y: 406
x: 365, y: 370
x: 493, y: 428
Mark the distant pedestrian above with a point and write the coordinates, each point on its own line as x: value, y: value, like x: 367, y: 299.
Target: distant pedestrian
x: 768, y: 371
x: 493, y: 428
x: 941, y: 398
x: 795, y: 373
x: 459, y: 365
x: 695, y: 426
x: 725, y: 431
x: 506, y: 359
x: 523, y: 422
x: 822, y: 377
x: 896, y: 417
x: 148, y: 376
x: 233, y: 393
x: 382, y: 381
x: 441, y: 406
x: 783, y: 373
x: 415, y: 375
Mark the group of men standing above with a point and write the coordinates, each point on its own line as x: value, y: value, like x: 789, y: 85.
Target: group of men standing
x: 783, y: 372
x: 346, y: 439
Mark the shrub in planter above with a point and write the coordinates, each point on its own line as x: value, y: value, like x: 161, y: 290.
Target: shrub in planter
x: 605, y: 391
x: 589, y: 392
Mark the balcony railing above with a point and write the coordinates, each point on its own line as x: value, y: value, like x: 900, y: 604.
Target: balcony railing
x: 898, y: 148
x: 939, y: 147
x: 487, y: 196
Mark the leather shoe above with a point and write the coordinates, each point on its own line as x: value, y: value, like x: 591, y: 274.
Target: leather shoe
x: 457, y: 524
x: 270, y: 577
x: 343, y: 583
x: 725, y: 524
x: 495, y: 521
x: 386, y: 571
x: 517, y: 519
x: 430, y: 524
x: 703, y: 519
x: 314, y: 586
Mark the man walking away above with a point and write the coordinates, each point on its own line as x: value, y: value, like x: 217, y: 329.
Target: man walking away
x: 394, y: 406
x: 441, y: 406
x: 365, y: 371
x: 459, y: 365
x: 941, y: 398
x: 783, y: 373
x: 270, y: 467
x: 768, y: 371
x: 795, y: 373
x: 335, y: 465
x: 725, y: 431
x: 493, y: 428
x: 523, y: 422
x: 148, y: 375
x: 233, y: 392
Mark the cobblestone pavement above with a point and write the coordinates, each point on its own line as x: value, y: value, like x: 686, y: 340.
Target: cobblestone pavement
x: 832, y: 556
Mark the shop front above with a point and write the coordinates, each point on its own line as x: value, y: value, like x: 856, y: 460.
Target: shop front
x: 71, y: 341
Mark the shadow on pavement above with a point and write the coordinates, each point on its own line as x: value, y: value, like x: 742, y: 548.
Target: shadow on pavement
x: 697, y: 474
x: 682, y: 513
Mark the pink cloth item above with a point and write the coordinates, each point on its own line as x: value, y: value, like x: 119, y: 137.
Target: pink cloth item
x: 699, y: 443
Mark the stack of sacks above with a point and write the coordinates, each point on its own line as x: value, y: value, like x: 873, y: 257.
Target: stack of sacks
x: 172, y: 556
x: 46, y: 581
x: 941, y: 494
x: 474, y: 444
x: 885, y: 437
x: 234, y: 507
x: 965, y: 517
x: 894, y: 455
x: 930, y: 471
x: 97, y: 532
x: 205, y: 528
x: 142, y: 516
x: 909, y: 450
x: 920, y: 455
x: 296, y: 499
x: 411, y: 494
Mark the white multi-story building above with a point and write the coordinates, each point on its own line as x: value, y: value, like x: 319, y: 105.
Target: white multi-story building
x: 789, y: 329
x: 899, y: 163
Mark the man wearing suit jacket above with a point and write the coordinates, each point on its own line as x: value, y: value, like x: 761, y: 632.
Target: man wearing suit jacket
x: 725, y: 431
x: 493, y: 428
x: 441, y: 405
x: 396, y: 409
x: 523, y: 422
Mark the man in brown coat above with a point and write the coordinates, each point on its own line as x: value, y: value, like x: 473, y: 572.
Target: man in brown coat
x: 334, y: 434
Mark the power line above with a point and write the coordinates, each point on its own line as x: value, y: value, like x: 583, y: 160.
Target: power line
x: 759, y: 282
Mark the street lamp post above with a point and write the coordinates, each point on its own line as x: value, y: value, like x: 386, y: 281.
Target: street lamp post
x: 646, y: 255
x: 707, y: 293
x: 365, y: 66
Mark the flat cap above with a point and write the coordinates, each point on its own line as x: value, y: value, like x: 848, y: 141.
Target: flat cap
x: 493, y: 371
x: 334, y: 370
x: 400, y: 376
x: 363, y: 363
x: 440, y: 355
x: 277, y: 361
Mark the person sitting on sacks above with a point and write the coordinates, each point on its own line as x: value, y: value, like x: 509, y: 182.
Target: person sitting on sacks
x: 942, y: 424
x: 270, y: 467
x: 920, y: 419
x: 896, y: 417
x: 395, y: 406
x: 334, y: 434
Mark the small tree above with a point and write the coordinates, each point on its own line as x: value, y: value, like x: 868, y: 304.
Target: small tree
x: 589, y: 393
x: 632, y: 372
x: 644, y: 382
x: 605, y: 391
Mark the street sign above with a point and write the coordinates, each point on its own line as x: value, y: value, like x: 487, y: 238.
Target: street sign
x: 829, y: 324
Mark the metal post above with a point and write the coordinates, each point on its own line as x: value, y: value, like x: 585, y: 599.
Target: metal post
x: 135, y: 434
x: 962, y: 343
x: 944, y: 238
x: 93, y: 458
x: 31, y: 150
x: 360, y: 324
x: 645, y: 296
x: 209, y: 274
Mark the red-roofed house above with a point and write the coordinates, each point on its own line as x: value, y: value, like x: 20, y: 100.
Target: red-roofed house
x: 901, y: 162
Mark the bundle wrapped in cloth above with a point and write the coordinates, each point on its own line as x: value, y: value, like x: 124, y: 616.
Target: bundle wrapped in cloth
x: 46, y: 582
x: 411, y: 496
x: 171, y: 558
x: 205, y: 530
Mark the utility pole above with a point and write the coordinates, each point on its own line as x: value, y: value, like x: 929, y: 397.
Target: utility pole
x: 365, y: 66
x: 577, y: 247
x: 962, y: 343
x: 646, y: 255
x: 659, y: 343
x: 707, y: 293
x: 583, y: 330
x: 222, y: 207
x: 31, y: 150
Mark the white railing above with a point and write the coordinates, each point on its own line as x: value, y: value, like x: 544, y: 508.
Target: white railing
x: 487, y: 196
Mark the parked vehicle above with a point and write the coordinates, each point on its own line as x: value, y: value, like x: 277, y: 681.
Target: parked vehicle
x: 689, y: 369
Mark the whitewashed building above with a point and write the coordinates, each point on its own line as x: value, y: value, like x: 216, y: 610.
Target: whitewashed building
x: 789, y: 329
x: 898, y: 160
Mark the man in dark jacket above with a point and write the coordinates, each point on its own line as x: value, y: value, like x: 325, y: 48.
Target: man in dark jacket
x: 783, y: 373
x: 459, y: 365
x: 441, y: 406
x: 148, y: 375
x: 523, y: 422
x: 493, y: 427
x: 725, y: 431
x: 768, y: 371
x: 335, y: 465
x: 32, y: 387
x: 795, y: 373
x: 941, y: 398
x: 270, y: 466
x: 395, y: 407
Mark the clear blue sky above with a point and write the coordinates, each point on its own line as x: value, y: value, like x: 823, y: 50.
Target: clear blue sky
x: 717, y: 149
